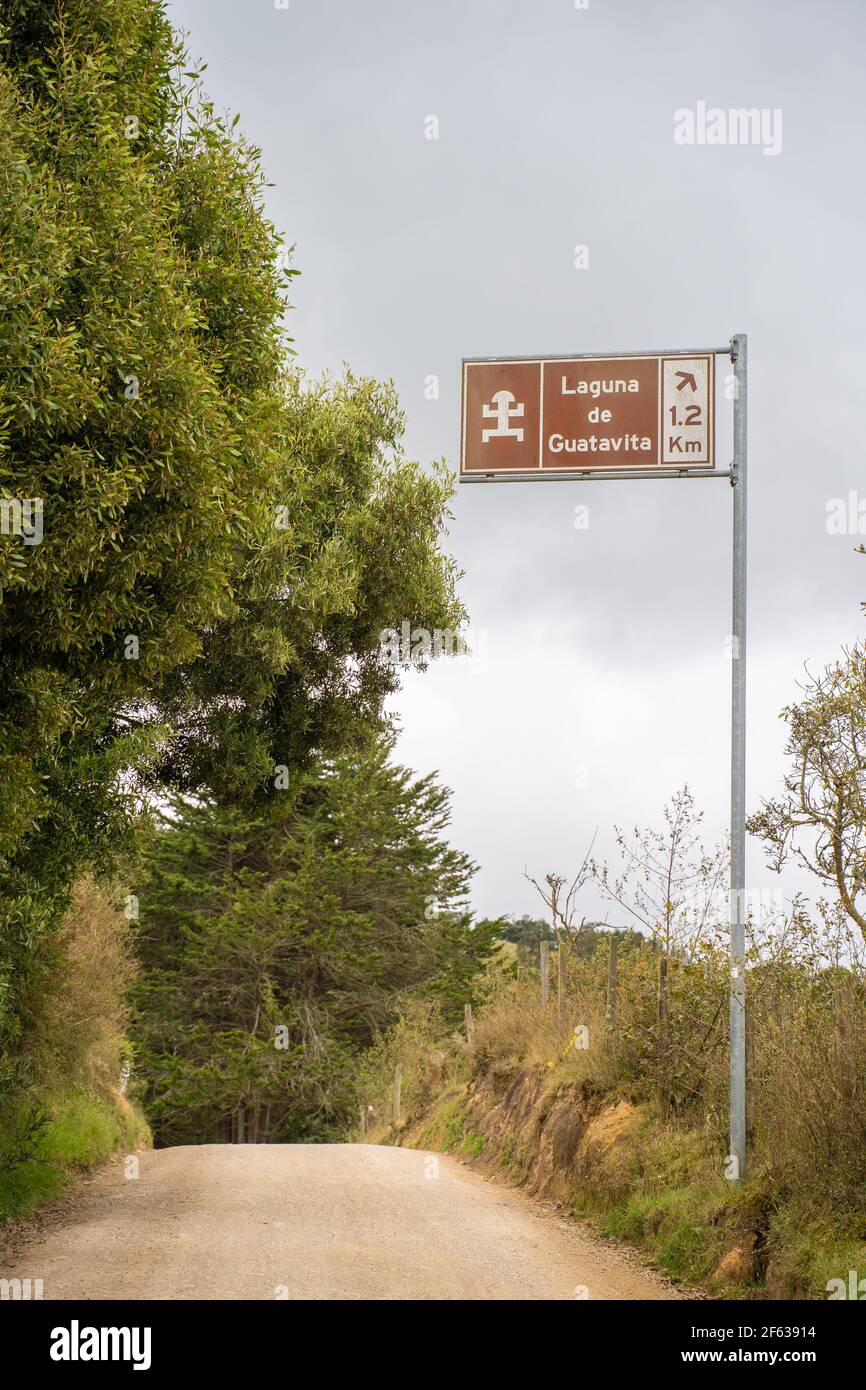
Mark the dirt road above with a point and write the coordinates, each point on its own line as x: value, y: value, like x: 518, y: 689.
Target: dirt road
x: 324, y: 1221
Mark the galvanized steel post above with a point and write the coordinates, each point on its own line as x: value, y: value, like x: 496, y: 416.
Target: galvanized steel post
x: 737, y: 1157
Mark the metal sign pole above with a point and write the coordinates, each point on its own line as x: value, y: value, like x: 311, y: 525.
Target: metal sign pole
x: 535, y: 415
x: 737, y: 1158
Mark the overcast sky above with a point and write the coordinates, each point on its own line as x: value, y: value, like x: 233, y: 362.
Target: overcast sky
x: 606, y: 680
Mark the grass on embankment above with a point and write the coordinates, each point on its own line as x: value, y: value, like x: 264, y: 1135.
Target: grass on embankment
x: 79, y: 1132
x: 64, y: 1114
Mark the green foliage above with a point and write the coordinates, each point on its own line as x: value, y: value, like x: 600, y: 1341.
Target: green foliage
x: 651, y: 1040
x: 528, y: 932
x: 85, y: 1130
x: 414, y: 1042
x: 473, y: 1144
x: 119, y: 410
x: 82, y: 1130
x: 803, y: 1198
x: 345, y: 548
x: 449, y: 1124
x: 72, y: 1032
x: 223, y: 542
x: 275, y: 949
x: 820, y: 817
x: 71, y: 1116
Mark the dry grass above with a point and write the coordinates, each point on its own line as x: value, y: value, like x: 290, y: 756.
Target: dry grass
x: 806, y: 1190
x: 74, y: 1117
x: 81, y: 1015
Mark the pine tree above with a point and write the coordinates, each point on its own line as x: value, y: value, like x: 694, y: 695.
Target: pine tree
x: 274, y: 949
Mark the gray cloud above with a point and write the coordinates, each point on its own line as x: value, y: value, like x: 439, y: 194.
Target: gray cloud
x: 605, y: 646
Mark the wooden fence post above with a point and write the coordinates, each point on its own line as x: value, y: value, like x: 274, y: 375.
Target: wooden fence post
x: 470, y: 1024
x: 560, y: 982
x: 544, y: 962
x: 663, y: 1050
x: 363, y: 1113
x: 612, y: 983
x: 398, y: 1087
x: 663, y: 987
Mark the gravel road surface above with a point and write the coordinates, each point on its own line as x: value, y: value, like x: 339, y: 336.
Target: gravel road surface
x: 318, y: 1221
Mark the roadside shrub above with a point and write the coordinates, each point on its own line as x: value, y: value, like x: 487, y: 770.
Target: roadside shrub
x: 807, y: 1064
x: 80, y: 1015
x: 428, y: 1059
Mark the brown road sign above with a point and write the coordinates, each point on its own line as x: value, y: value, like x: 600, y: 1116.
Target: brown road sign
x: 542, y: 415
